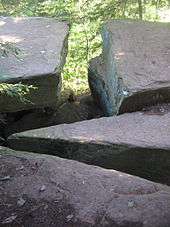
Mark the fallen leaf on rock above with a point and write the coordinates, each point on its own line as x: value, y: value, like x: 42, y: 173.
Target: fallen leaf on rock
x: 5, y: 178
x: 9, y: 219
x: 45, y: 207
x: 69, y: 217
x: 131, y: 204
x: 42, y: 188
x: 20, y: 168
x: 21, y: 202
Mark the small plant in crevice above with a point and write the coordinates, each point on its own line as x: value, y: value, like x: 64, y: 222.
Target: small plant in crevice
x: 18, y: 91
x: 7, y: 48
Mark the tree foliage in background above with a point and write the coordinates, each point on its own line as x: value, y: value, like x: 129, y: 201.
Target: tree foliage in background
x: 86, y: 18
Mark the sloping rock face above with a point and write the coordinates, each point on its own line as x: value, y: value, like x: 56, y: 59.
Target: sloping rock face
x: 41, y: 191
x: 43, y: 46
x: 133, y: 71
x: 136, y: 143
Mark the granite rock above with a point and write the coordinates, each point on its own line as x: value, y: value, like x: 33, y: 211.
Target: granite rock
x: 43, y: 48
x: 133, y: 70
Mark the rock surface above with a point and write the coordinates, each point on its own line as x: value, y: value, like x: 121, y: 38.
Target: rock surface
x: 43, y: 46
x: 133, y: 71
x: 41, y: 191
x: 136, y: 143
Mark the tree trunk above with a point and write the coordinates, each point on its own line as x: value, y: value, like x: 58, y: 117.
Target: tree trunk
x: 140, y: 5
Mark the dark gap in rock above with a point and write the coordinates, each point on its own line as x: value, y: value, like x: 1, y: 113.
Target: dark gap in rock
x: 69, y: 111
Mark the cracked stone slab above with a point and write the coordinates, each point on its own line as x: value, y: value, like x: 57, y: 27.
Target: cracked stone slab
x: 133, y: 71
x: 43, y: 48
x: 41, y: 190
x: 137, y: 143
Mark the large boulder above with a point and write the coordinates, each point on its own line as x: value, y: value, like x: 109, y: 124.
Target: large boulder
x: 43, y: 46
x: 40, y: 191
x: 133, y: 71
x: 137, y: 143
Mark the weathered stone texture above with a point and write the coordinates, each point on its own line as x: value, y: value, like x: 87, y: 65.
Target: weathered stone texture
x: 137, y: 143
x: 40, y: 191
x: 43, y: 46
x: 133, y: 71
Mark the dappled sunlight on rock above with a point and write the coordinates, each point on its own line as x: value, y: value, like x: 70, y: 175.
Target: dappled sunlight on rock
x: 39, y: 63
x: 2, y: 23
x: 19, y: 19
x: 119, y: 55
x: 11, y: 38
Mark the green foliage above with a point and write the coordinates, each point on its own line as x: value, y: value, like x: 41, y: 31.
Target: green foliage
x: 18, y: 91
x: 8, y: 48
x: 86, y: 18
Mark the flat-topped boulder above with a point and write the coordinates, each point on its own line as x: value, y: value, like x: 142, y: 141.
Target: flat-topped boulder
x: 136, y: 143
x: 133, y: 71
x: 40, y: 191
x: 43, y: 48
